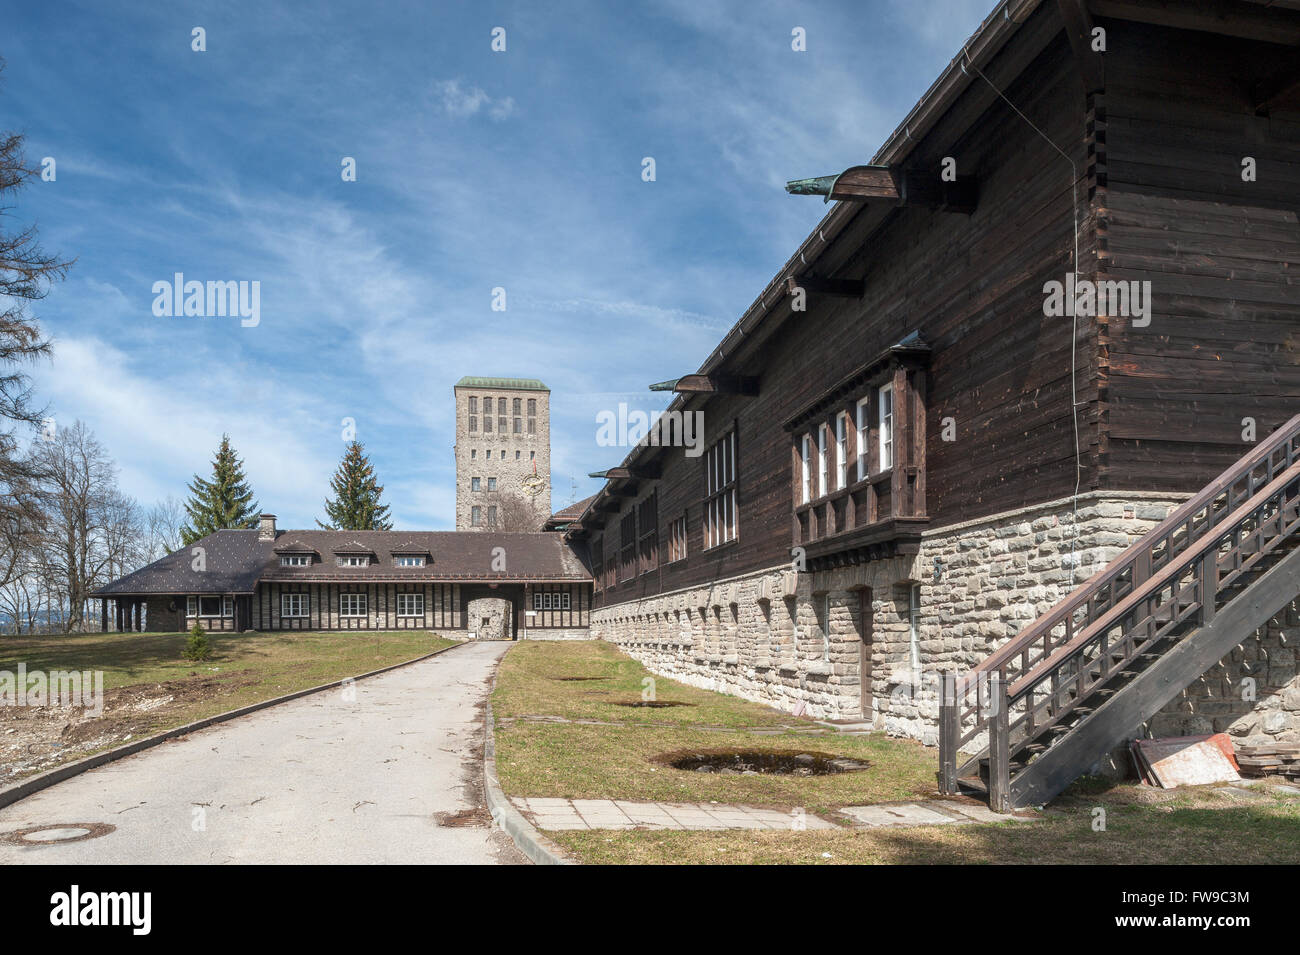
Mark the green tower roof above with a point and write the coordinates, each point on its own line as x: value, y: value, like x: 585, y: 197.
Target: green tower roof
x: 512, y: 384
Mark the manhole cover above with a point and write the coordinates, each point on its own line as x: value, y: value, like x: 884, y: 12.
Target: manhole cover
x: 59, y: 833
x: 762, y: 762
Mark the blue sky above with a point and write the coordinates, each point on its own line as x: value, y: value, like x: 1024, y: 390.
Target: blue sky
x: 475, y: 169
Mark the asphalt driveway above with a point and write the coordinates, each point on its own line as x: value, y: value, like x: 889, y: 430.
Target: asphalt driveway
x: 389, y: 773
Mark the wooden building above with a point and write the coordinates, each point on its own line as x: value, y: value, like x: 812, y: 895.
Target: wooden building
x: 466, y: 584
x: 912, y: 446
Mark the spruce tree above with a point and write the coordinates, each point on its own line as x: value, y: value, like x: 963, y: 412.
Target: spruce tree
x: 355, y: 505
x: 224, y: 502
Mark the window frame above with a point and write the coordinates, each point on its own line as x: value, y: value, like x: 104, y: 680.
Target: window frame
x: 823, y: 460
x: 885, y: 424
x: 842, y: 450
x: 721, y: 523
x: 863, y: 422
x: 304, y: 606
x: 409, y: 560
x: 361, y: 606
x: 805, y: 468
x: 295, y: 560
x: 417, y: 596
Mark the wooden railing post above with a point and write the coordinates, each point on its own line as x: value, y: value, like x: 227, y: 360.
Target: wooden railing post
x: 999, y: 746
x: 1209, y: 584
x: 949, y: 733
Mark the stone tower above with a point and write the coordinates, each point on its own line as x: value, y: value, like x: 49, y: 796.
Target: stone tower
x: 503, y: 454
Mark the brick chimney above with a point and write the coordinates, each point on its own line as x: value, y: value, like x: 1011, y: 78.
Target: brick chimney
x: 266, y: 527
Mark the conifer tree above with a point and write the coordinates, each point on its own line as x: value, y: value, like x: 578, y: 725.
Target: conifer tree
x: 224, y: 502
x: 355, y: 505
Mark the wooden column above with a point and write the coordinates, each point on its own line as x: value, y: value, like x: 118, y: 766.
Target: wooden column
x: 103, y: 615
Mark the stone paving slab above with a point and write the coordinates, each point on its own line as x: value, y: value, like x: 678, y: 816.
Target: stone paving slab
x: 626, y: 814
x: 694, y: 816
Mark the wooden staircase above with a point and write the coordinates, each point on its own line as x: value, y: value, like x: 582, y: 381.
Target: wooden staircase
x: 1084, y: 677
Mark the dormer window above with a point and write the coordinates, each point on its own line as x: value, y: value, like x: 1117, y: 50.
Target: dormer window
x: 408, y: 561
x: 353, y: 560
x: 295, y: 560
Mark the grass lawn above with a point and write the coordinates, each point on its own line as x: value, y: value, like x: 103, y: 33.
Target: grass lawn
x: 150, y: 687
x: 583, y: 760
x: 569, y: 760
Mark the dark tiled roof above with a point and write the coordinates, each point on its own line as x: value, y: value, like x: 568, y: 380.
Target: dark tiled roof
x: 232, y: 561
x: 572, y: 512
x: 237, y: 560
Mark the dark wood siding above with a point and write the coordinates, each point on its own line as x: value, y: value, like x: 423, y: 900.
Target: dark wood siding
x: 1222, y: 255
x: 972, y: 285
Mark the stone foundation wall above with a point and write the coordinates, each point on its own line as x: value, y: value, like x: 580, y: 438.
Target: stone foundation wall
x: 795, y: 640
x: 556, y: 633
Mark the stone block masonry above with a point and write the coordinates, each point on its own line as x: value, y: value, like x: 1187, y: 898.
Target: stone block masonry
x: 796, y: 641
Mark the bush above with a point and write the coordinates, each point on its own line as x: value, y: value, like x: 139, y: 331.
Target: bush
x: 197, y: 646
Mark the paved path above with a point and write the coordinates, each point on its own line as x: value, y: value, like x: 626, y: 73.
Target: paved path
x: 625, y: 814
x: 320, y: 779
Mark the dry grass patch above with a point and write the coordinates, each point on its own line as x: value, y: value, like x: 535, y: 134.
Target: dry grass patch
x: 582, y: 761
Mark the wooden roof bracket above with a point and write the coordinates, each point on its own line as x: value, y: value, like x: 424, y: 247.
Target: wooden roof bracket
x: 710, y: 384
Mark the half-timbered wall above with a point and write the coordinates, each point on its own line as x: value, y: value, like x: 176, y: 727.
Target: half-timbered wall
x: 442, y: 607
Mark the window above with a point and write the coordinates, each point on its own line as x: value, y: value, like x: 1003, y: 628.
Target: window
x: 492, y: 516
x: 476, y: 516
x: 295, y: 560
x: 548, y: 601
x: 517, y: 453
x: 805, y: 473
x: 720, y: 488
x: 408, y: 561
x: 516, y: 405
x: 677, y: 539
x: 473, y: 454
x: 537, y: 600
x: 532, y: 425
x: 627, y: 546
x: 353, y: 560
x: 352, y: 605
x: 564, y: 600
x: 473, y: 424
x: 475, y: 484
x: 597, y: 563
x: 492, y: 484
x: 648, y: 543
x: 487, y: 423
x: 886, y: 427
x: 822, y: 484
x: 532, y: 406
x: 293, y: 605
x: 487, y: 406
x: 210, y: 606
x: 473, y: 404
x: 518, y: 425
x: 501, y: 425
x: 532, y: 455
x: 410, y: 605
x: 841, y: 451
x: 864, y: 435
